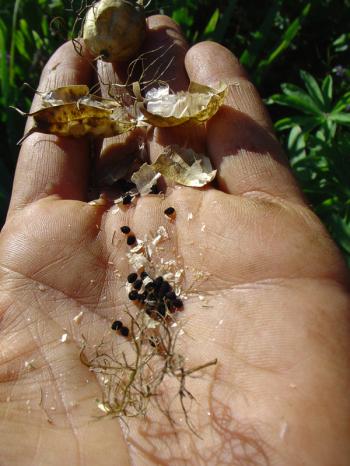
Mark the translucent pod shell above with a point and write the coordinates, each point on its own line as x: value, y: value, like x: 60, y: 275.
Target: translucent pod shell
x: 114, y: 29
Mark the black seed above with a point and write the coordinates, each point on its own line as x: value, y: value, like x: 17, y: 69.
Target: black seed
x: 141, y: 297
x: 158, y: 281
x: 123, y: 185
x: 117, y: 325
x: 138, y: 284
x: 131, y: 240
x: 150, y: 286
x: 132, y: 277
x: 151, y: 298
x: 169, y: 211
x: 133, y: 295
x: 170, y: 295
x: 144, y: 275
x: 124, y: 331
x: 164, y: 289
x: 125, y: 229
x: 154, y: 189
x: 178, y: 303
x: 161, y: 309
x: 127, y: 199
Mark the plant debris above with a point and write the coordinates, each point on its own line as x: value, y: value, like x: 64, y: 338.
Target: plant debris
x: 69, y: 111
x: 114, y: 29
x: 132, y: 371
x: 161, y: 108
x: 182, y: 166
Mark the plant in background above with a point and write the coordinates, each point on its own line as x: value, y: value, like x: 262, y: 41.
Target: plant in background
x: 318, y: 142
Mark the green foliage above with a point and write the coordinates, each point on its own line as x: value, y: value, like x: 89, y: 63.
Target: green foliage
x: 274, y: 39
x: 317, y: 140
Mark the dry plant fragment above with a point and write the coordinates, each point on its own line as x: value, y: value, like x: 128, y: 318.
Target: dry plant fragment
x: 114, y: 29
x: 72, y: 111
x: 182, y: 166
x: 145, y: 178
x: 64, y: 95
x: 131, y: 377
x: 163, y: 109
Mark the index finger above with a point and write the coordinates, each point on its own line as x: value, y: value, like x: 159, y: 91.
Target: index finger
x: 50, y: 164
x: 240, y: 138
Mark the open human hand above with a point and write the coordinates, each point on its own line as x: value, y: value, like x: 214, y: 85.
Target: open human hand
x: 273, y: 307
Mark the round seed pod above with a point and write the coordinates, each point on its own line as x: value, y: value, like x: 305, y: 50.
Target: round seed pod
x: 114, y: 29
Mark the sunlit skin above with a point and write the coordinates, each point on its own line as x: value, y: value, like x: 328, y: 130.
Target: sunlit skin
x: 276, y: 311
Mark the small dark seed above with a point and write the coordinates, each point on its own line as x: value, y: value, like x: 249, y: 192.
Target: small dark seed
x: 125, y: 229
x: 127, y: 199
x: 170, y: 295
x: 158, y: 281
x: 144, y: 275
x: 138, y: 284
x: 133, y: 295
x: 169, y: 211
x: 178, y: 303
x: 132, y: 277
x: 131, y: 240
x: 164, y: 289
x: 117, y: 325
x: 141, y: 297
x: 154, y: 189
x: 161, y: 309
x: 124, y: 331
x: 150, y: 286
x: 123, y: 185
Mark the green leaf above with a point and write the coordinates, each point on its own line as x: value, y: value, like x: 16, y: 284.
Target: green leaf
x: 224, y: 22
x: 211, y: 26
x: 306, y: 122
x: 21, y: 45
x: 327, y: 91
x: 298, y: 100
x: 342, y: 103
x: 23, y: 27
x: 4, y: 72
x: 296, y: 144
x: 313, y: 89
x: 341, y: 118
x: 261, y: 36
x: 340, y: 230
x: 341, y: 44
x: 287, y: 39
x: 38, y: 40
x: 183, y: 16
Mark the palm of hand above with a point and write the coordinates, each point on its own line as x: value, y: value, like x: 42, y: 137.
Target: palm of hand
x: 261, y: 306
x: 243, y: 322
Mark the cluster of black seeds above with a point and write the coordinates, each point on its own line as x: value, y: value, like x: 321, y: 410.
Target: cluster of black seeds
x: 155, y: 295
x: 118, y: 325
x: 130, y: 237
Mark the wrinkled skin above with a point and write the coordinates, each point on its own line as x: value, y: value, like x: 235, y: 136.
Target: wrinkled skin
x: 276, y: 314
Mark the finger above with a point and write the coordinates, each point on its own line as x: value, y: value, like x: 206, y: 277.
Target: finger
x: 117, y: 152
x: 49, y: 164
x: 240, y: 138
x: 165, y: 31
x: 160, y: 58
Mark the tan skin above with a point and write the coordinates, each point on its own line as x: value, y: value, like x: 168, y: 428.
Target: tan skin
x: 279, y: 394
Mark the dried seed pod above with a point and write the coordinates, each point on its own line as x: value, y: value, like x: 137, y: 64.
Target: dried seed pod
x: 114, y: 29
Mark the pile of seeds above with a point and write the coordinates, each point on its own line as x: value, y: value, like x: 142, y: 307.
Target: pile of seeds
x: 154, y: 296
